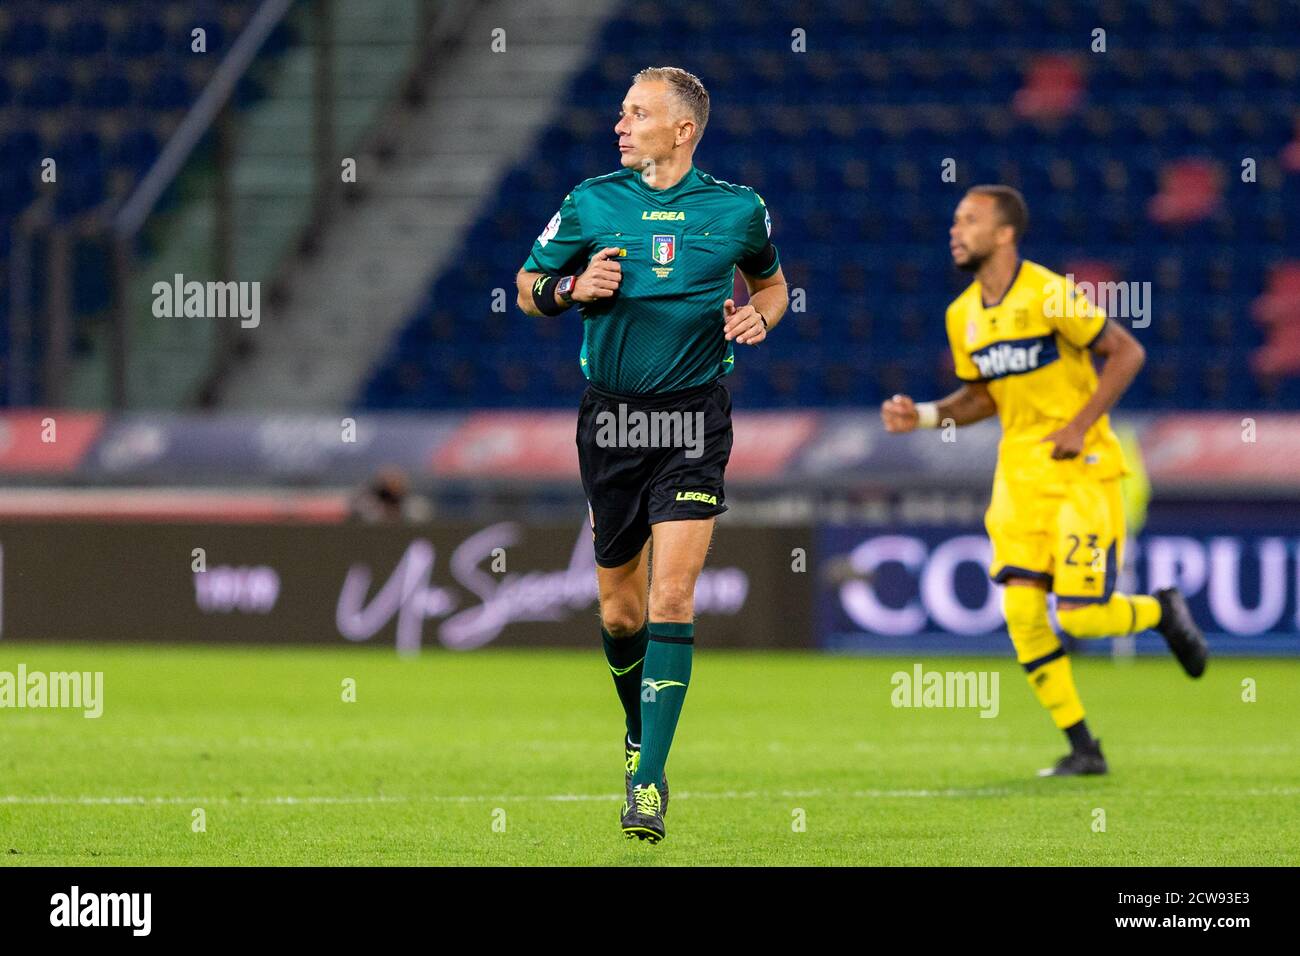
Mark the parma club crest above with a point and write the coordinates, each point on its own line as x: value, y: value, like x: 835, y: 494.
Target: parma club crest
x: 663, y: 249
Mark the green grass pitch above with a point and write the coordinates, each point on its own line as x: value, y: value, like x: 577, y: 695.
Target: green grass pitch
x: 512, y: 757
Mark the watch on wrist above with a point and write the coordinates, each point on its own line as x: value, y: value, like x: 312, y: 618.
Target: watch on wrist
x: 564, y: 289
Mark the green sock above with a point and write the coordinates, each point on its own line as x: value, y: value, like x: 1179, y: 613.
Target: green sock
x: 625, y: 656
x: 668, y: 672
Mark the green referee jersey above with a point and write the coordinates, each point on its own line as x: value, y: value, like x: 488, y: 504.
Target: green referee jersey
x: 679, y: 248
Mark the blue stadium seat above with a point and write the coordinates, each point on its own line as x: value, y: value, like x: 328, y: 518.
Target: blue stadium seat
x: 26, y: 36
x: 108, y: 89
x: 143, y: 35
x: 49, y: 89
x: 79, y: 193
x: 16, y: 189
x: 83, y: 37
x: 167, y: 89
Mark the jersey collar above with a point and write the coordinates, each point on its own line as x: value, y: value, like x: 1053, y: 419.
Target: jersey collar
x: 1015, y: 277
x: 666, y: 195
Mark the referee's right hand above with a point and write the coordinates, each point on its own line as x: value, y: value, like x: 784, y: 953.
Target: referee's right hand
x: 600, y: 279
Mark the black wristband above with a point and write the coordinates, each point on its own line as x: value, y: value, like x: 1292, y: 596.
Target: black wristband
x: 544, y: 296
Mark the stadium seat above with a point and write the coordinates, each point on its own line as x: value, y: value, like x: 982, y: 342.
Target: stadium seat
x: 109, y: 89
x: 143, y: 35
x: 83, y: 37
x: 26, y: 36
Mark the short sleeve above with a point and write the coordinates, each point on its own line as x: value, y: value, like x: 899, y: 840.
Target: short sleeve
x: 560, y: 243
x: 758, y: 255
x: 1077, y: 320
x: 962, y: 365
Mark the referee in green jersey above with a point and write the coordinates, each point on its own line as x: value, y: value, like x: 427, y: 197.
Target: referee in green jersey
x: 648, y: 254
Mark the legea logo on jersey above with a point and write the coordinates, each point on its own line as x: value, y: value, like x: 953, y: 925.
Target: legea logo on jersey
x: 703, y: 496
x: 662, y: 214
x: 1016, y: 356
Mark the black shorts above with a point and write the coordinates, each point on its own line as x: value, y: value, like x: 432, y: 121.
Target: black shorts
x: 670, y: 468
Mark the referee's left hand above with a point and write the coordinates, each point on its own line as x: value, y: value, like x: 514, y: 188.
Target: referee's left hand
x: 742, y: 324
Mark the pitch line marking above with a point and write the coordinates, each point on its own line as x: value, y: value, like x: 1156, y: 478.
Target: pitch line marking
x: 950, y: 793
x: 13, y: 800
x: 37, y: 800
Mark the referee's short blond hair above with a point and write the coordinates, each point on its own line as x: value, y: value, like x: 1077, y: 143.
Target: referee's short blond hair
x: 688, y: 90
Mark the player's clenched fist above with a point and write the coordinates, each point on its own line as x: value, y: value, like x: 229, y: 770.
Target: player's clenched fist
x: 600, y: 279
x: 899, y: 414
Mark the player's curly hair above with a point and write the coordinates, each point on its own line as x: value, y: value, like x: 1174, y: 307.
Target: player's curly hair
x: 688, y: 89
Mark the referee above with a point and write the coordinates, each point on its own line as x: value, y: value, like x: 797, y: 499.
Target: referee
x: 648, y: 254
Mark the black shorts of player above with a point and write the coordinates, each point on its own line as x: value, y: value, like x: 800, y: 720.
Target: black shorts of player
x: 642, y: 464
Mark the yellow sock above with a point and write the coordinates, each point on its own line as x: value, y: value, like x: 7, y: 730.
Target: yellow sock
x: 1122, y: 614
x: 1053, y: 685
x: 1039, y: 651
